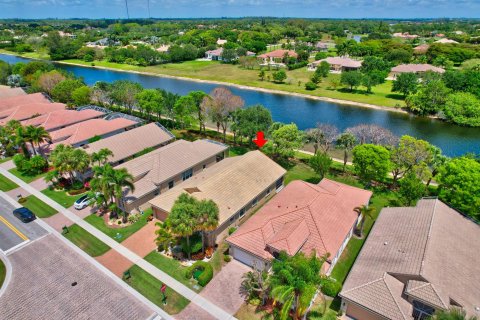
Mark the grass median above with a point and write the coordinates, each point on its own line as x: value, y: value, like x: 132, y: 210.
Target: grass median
x: 6, y: 184
x: 37, y: 206
x: 85, y: 241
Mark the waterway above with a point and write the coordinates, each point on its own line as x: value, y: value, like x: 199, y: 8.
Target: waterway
x: 306, y: 113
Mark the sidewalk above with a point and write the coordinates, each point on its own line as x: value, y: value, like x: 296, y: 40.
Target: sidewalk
x: 175, y: 285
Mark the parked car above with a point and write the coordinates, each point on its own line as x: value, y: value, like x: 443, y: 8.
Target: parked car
x: 82, y: 202
x: 24, y: 214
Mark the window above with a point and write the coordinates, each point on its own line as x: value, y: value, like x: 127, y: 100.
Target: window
x: 279, y: 183
x: 157, y: 192
x: 171, y: 184
x: 254, y: 202
x: 220, y: 157
x: 242, y: 212
x: 421, y: 311
x: 187, y: 174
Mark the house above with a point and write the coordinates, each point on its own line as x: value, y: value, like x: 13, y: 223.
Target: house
x: 323, y: 46
x: 446, y: 41
x: 214, y: 55
x: 78, y: 134
x: 158, y: 171
x: 237, y: 185
x: 11, y: 102
x: 7, y: 92
x: 221, y: 42
x: 28, y: 111
x: 418, y: 69
x: 59, y: 119
x: 415, y: 260
x: 163, y: 48
x: 276, y: 57
x: 421, y: 49
x: 405, y: 35
x: 301, y: 218
x: 126, y: 145
x: 337, y: 64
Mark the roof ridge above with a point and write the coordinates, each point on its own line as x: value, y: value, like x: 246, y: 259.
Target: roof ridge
x: 428, y: 238
x: 393, y: 297
x: 318, y: 231
x: 363, y: 285
x: 434, y: 290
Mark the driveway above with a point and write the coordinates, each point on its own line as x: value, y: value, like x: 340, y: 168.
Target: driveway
x: 223, y: 290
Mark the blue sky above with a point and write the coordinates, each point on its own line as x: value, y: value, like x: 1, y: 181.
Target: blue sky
x: 238, y: 8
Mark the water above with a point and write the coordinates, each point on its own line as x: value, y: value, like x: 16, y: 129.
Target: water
x: 452, y: 139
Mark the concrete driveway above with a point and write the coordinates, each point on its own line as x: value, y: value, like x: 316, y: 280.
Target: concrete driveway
x: 223, y: 290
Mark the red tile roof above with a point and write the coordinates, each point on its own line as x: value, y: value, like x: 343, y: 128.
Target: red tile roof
x: 279, y: 54
x: 417, y: 68
x: 57, y: 119
x: 302, y: 217
x: 11, y: 102
x: 27, y: 111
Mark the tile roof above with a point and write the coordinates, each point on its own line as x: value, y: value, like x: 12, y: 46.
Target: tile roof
x: 128, y: 143
x: 326, y: 210
x: 417, y: 68
x: 27, y: 111
x: 216, y: 52
x: 423, y: 48
x: 279, y: 54
x: 7, y: 92
x: 160, y: 165
x: 60, y: 118
x: 431, y: 243
x: 446, y: 41
x: 341, y: 61
x: 8, y: 103
x: 231, y: 184
x: 85, y: 130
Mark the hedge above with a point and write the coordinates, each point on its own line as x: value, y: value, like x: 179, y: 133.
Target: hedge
x: 330, y: 287
x: 206, y: 275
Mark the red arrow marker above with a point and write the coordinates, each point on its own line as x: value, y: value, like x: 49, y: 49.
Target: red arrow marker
x: 260, y: 141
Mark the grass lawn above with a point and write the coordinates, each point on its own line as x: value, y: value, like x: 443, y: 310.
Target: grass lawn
x: 5, y: 159
x: 149, y: 286
x: 295, y: 83
x: 24, y: 177
x: 125, y: 232
x: 249, y: 312
x: 37, y: 206
x: 85, y: 241
x: 3, y: 272
x: 6, y: 184
x: 172, y: 267
x: 61, y: 197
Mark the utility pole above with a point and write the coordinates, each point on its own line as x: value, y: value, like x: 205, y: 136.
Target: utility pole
x: 148, y: 6
x: 126, y: 6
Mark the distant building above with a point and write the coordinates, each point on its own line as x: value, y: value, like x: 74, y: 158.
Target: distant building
x: 405, y: 35
x: 446, y: 41
x: 163, y: 48
x: 416, y: 260
x: 337, y: 64
x: 276, y: 57
x: 421, y: 49
x: 418, y: 69
x: 216, y: 55
x: 221, y: 42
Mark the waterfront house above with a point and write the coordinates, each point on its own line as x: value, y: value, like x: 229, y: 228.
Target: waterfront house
x: 418, y: 69
x: 276, y: 58
x: 337, y: 64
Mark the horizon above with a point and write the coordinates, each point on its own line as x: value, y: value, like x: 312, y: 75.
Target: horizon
x: 208, y: 9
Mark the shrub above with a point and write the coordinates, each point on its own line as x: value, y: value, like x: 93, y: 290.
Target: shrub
x: 231, y: 230
x: 310, y: 85
x: 330, y: 287
x: 77, y: 185
x: 195, y: 244
x: 133, y: 218
x: 206, y: 275
x: 19, y: 161
x: 297, y: 65
x: 22, y: 200
x: 227, y: 258
x: 94, y: 139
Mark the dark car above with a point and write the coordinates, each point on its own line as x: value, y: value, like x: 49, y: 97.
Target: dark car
x: 24, y: 214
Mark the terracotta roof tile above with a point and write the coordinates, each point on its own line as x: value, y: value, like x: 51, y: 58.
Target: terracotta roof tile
x: 61, y: 118
x: 27, y: 111
x: 279, y: 54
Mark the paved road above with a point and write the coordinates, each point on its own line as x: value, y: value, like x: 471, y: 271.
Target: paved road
x: 13, y: 232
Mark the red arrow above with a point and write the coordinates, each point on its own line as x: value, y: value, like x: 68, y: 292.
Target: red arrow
x: 260, y: 141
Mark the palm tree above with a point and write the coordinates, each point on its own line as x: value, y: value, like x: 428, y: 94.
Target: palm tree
x: 36, y: 136
x: 8, y: 139
x: 67, y: 160
x: 122, y: 179
x: 255, y: 283
x: 80, y: 161
x: 207, y: 218
x: 364, y: 212
x: 101, y: 157
x: 102, y: 184
x: 453, y: 314
x: 164, y: 238
x: 346, y: 141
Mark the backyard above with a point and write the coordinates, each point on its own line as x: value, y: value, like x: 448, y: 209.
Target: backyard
x: 86, y: 241
x: 37, y: 206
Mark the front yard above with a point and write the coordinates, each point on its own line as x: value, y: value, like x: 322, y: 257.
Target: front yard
x: 121, y: 233
x: 85, y: 241
x: 37, y: 206
x: 26, y: 178
x: 6, y: 184
x: 150, y: 286
x: 61, y: 197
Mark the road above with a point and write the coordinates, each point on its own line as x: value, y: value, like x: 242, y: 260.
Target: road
x: 13, y: 232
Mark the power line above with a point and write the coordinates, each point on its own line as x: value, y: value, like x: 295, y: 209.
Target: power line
x: 148, y: 6
x: 126, y: 6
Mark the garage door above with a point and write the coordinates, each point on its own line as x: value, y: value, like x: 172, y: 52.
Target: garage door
x: 243, y: 257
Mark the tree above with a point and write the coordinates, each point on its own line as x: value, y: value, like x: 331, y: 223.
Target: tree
x: 323, y: 69
x: 363, y: 212
x: 63, y: 90
x: 101, y: 157
x: 352, y: 79
x: 459, y: 185
x: 261, y: 74
x: 124, y: 93
x: 463, y: 108
x: 207, y: 217
x: 430, y: 98
x: 411, y: 188
x: 198, y: 97
x: 122, y: 179
x: 347, y: 142
x: 67, y: 160
x: 184, y: 110
x: 47, y: 81
x: 5, y: 71
x: 255, y: 283
x: 285, y: 139
x: 229, y: 55
x: 452, y: 314
x: 405, y: 83
x: 371, y: 162
x: 220, y: 105
x: 320, y: 163
x: 294, y: 282
x: 251, y: 120
x: 164, y: 238
x: 81, y: 96
x: 36, y: 136
x: 409, y: 153
x: 149, y: 100
x: 368, y: 133
x: 279, y: 76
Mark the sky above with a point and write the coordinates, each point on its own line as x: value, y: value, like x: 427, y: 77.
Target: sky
x: 240, y: 8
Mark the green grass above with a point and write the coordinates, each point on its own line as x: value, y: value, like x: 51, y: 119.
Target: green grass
x: 125, y: 232
x: 149, y: 287
x: 5, y: 159
x: 26, y: 178
x: 37, y: 206
x: 61, y: 197
x: 301, y: 171
x: 172, y: 267
x: 3, y: 272
x: 216, y: 71
x: 6, y: 184
x: 85, y: 241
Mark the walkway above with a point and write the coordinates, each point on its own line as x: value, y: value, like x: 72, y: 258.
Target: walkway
x: 175, y: 285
